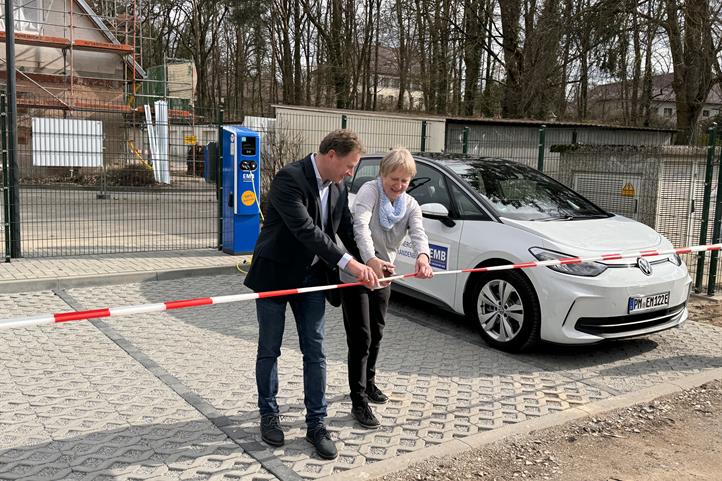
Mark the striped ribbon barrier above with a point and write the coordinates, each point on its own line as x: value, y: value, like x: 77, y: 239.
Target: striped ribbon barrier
x: 205, y: 301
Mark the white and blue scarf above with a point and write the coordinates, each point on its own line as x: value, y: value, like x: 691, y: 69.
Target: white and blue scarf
x: 390, y: 213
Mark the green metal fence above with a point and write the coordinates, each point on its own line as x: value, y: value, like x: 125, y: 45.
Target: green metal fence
x: 107, y: 178
x: 632, y: 172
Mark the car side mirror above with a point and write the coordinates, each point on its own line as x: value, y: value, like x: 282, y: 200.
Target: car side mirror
x: 437, y: 212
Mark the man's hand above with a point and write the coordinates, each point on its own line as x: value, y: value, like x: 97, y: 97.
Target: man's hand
x: 381, y: 269
x: 423, y: 269
x: 364, y: 274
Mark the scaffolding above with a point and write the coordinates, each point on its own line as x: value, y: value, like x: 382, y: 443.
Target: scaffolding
x: 54, y: 32
x: 57, y: 31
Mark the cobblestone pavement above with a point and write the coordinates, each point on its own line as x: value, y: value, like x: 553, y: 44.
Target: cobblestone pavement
x: 74, y: 221
x: 172, y: 395
x: 98, y: 265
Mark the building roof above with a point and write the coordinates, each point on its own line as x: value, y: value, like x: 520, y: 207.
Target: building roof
x: 370, y: 113
x: 106, y: 31
x: 470, y: 120
x: 62, y: 42
x: 389, y: 62
x: 547, y: 123
x: 662, y: 90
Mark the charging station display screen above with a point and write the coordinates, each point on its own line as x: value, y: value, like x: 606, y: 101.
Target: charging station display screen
x: 248, y: 146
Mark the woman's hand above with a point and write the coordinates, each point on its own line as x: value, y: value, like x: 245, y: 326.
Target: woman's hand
x: 423, y: 269
x: 382, y: 269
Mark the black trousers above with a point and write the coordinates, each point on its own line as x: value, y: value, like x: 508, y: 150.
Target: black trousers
x: 364, y: 313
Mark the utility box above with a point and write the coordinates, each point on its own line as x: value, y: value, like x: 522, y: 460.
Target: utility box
x: 210, y: 162
x: 241, y: 189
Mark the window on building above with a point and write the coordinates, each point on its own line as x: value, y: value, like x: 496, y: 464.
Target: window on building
x: 705, y: 113
x: 668, y: 111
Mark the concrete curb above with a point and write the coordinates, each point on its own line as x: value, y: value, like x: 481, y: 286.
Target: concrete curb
x: 459, y: 446
x: 27, y: 285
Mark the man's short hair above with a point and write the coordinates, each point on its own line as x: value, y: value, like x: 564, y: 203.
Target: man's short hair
x: 343, y: 141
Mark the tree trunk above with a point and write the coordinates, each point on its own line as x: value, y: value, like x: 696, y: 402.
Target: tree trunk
x: 297, y: 76
x: 693, y: 56
x: 513, y: 57
x: 473, y: 42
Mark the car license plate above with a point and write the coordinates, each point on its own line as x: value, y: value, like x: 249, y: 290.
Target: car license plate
x: 648, y: 303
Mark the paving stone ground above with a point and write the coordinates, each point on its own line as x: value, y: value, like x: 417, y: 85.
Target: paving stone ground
x: 172, y: 395
x: 97, y: 265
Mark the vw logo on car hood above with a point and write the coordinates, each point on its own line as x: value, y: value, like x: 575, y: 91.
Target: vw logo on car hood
x: 644, y: 266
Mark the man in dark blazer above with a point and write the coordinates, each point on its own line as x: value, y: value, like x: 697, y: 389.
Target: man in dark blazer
x: 307, y: 207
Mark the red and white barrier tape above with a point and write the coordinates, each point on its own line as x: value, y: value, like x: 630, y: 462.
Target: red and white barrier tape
x: 204, y: 301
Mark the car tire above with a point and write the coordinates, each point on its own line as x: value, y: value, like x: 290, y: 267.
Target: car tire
x: 512, y: 326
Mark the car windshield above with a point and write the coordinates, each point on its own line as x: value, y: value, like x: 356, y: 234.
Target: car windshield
x: 519, y: 192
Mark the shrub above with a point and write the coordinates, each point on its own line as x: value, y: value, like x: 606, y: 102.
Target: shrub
x: 135, y: 175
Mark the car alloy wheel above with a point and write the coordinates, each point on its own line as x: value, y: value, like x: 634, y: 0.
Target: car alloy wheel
x: 500, y: 310
x: 505, y: 309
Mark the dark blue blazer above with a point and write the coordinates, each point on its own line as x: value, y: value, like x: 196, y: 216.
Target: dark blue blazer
x: 292, y: 234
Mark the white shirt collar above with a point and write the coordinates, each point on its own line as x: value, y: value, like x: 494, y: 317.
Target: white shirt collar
x: 319, y: 180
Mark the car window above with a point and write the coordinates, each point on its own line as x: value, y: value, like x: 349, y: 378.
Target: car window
x: 429, y: 186
x: 519, y: 192
x: 367, y: 169
x: 468, y: 209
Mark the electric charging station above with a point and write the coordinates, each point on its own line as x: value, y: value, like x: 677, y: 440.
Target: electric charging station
x: 241, y: 189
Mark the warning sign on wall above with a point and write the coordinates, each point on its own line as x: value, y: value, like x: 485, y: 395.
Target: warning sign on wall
x: 628, y: 190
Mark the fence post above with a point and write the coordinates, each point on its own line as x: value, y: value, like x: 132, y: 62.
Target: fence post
x: 423, y: 135
x: 6, y: 179
x: 465, y: 147
x: 716, y: 231
x: 540, y: 157
x: 219, y: 179
x: 712, y: 141
x: 11, y: 123
x: 344, y: 121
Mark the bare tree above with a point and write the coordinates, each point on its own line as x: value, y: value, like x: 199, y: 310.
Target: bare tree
x: 200, y: 38
x: 689, y: 26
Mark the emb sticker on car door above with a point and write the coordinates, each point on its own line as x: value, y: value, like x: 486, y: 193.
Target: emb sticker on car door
x: 439, y: 256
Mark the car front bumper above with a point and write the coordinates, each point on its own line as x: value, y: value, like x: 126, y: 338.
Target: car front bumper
x: 580, y: 310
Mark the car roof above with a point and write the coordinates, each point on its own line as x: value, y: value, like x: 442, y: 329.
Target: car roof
x: 451, y: 159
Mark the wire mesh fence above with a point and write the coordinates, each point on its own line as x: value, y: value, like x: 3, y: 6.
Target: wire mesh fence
x: 101, y: 180
x: 106, y: 178
x: 635, y: 173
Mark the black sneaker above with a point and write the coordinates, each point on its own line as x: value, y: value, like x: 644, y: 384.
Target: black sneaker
x: 271, y: 431
x: 375, y: 395
x: 321, y: 440
x: 365, y: 417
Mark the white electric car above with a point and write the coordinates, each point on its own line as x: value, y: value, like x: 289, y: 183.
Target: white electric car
x: 484, y: 212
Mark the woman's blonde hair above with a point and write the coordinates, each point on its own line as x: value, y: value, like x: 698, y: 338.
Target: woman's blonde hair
x: 397, y: 158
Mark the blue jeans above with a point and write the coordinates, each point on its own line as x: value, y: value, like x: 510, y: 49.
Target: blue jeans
x: 308, y: 310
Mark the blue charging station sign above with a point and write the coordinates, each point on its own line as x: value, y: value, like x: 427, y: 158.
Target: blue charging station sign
x: 241, y: 189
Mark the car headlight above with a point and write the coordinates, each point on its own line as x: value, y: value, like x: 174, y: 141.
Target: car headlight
x: 675, y: 259
x: 586, y: 269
